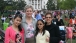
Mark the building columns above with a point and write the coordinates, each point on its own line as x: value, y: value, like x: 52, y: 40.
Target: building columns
x: 37, y: 4
x: 34, y: 4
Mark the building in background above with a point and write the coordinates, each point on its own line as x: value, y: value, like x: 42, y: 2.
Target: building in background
x: 37, y: 4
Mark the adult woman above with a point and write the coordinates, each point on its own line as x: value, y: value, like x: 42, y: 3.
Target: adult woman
x: 42, y: 35
x: 28, y: 23
x: 59, y: 21
x: 12, y: 31
x: 52, y: 28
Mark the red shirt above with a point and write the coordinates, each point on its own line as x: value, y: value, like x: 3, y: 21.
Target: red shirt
x: 71, y: 21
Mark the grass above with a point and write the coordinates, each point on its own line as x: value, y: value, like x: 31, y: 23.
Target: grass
x: 73, y: 41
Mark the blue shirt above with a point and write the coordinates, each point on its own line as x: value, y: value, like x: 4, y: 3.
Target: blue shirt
x: 38, y: 16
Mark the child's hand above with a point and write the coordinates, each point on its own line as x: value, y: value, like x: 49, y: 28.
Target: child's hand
x: 47, y: 39
x: 11, y: 41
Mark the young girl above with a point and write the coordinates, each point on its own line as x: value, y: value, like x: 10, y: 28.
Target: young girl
x: 42, y: 35
x: 69, y: 32
x: 14, y: 30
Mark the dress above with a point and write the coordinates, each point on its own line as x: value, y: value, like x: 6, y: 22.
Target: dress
x: 69, y: 32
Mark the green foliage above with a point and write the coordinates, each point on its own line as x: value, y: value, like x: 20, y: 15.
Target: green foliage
x: 67, y: 4
x: 8, y: 7
x: 18, y: 5
x: 11, y: 5
x: 50, y: 5
x: 2, y: 5
x: 21, y: 5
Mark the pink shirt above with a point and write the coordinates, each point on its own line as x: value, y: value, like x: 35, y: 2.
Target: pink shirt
x: 11, y: 34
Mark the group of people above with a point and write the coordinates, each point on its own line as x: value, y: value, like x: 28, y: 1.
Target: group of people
x: 71, y: 29
x: 26, y: 29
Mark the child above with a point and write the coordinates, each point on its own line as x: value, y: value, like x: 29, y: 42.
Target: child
x: 14, y: 29
x: 42, y: 35
x: 69, y: 32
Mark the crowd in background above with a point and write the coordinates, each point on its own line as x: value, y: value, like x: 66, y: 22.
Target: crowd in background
x: 46, y: 24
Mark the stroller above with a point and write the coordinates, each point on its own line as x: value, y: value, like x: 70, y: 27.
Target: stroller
x: 2, y: 34
x: 62, y: 33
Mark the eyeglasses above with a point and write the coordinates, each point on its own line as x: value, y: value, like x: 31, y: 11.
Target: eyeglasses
x: 48, y: 17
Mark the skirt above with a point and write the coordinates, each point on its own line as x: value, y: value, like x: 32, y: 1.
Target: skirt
x: 30, y: 40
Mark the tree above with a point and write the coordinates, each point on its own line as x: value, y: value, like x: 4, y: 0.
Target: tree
x: 15, y: 5
x: 50, y: 5
x: 70, y: 4
x: 20, y: 5
x: 2, y: 5
x: 8, y: 8
x: 67, y: 4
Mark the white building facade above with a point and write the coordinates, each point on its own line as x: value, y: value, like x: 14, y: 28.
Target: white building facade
x: 37, y: 4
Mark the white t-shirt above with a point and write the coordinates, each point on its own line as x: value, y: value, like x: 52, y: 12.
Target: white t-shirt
x: 3, y: 18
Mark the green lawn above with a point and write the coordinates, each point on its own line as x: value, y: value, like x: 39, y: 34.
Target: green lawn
x: 73, y: 41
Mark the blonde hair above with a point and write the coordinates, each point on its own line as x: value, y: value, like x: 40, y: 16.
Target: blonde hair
x: 28, y: 6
